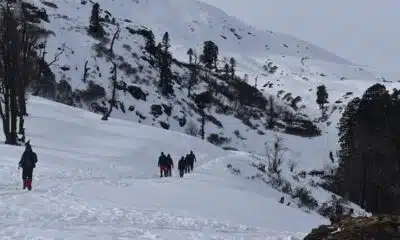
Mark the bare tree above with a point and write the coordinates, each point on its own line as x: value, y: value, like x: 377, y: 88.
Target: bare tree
x: 43, y: 65
x: 10, y: 61
x: 85, y: 72
x: 194, y: 71
x: 203, y: 101
x: 113, y: 100
x: 272, y: 112
x: 18, y: 65
x: 292, y: 165
x: 57, y: 55
x: 275, y: 153
x: 29, y: 66
x: 115, y: 36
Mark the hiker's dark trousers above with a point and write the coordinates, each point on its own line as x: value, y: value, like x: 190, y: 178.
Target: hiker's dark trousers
x: 27, y: 173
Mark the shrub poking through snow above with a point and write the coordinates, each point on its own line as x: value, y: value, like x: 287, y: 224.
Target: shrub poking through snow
x: 305, y: 198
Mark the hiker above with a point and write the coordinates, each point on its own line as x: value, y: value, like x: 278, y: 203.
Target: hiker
x: 170, y: 165
x: 27, y: 163
x: 187, y: 166
x: 192, y: 159
x: 181, y: 166
x: 162, y: 164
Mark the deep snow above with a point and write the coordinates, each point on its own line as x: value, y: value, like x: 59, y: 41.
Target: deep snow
x: 98, y: 179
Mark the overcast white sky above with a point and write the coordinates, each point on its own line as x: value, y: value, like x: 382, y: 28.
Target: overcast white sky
x: 366, y: 32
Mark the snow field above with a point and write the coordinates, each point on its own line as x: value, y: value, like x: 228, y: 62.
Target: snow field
x: 99, y: 179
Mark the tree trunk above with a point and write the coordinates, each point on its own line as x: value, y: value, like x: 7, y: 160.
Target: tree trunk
x: 14, y: 114
x: 21, y: 129
x: 363, y: 199
x: 113, y: 93
x: 115, y: 36
x: 189, y: 90
x: 22, y: 112
x: 203, y: 123
x: 5, y: 119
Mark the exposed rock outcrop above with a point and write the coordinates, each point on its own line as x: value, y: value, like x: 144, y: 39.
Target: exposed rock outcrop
x: 380, y: 227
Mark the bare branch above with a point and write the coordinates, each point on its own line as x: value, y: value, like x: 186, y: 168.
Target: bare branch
x: 275, y: 154
x: 113, y: 100
x: 85, y: 72
x: 116, y: 36
x: 56, y: 55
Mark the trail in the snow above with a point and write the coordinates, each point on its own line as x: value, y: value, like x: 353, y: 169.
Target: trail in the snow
x: 55, y: 204
x: 104, y: 184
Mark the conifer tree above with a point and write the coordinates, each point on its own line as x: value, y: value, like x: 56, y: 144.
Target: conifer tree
x: 95, y: 27
x: 232, y: 63
x: 322, y: 96
x: 164, y: 63
x: 194, y: 70
x: 209, y: 56
x: 203, y: 101
x: 190, y: 54
x: 368, y: 155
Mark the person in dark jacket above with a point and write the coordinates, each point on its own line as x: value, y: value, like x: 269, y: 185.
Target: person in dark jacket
x: 162, y: 164
x: 181, y: 166
x: 170, y: 165
x: 27, y: 163
x: 187, y: 166
x: 192, y: 159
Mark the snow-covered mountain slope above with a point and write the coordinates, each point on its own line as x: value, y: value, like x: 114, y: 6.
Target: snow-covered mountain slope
x: 86, y: 164
x: 288, y: 69
x: 97, y: 179
x: 190, y: 23
x: 138, y: 96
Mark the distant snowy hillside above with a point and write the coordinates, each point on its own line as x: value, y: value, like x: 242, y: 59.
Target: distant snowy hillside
x: 192, y: 22
x: 268, y: 65
x: 97, y: 179
x: 237, y: 118
x: 272, y: 93
x: 280, y: 65
x: 85, y: 163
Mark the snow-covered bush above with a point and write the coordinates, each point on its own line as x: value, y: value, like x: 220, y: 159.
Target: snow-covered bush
x: 93, y: 92
x: 192, y: 129
x: 218, y: 140
x: 305, y: 197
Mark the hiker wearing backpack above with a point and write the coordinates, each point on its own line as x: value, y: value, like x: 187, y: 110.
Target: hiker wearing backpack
x: 191, y: 160
x: 163, y: 165
x: 27, y: 163
x: 181, y: 166
x: 170, y: 165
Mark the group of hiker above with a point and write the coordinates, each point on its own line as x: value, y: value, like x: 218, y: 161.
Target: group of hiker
x: 165, y: 163
x: 185, y: 164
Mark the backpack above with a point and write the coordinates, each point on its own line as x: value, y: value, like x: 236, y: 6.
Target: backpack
x: 30, y: 159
